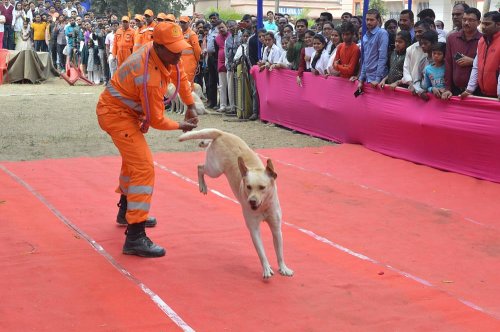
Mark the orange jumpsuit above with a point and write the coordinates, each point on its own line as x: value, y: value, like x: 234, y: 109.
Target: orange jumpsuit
x: 191, y: 56
x: 120, y: 110
x: 124, y: 43
x: 145, y: 35
x: 137, y: 39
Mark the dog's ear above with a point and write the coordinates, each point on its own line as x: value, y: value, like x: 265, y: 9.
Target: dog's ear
x: 242, y: 166
x: 270, y: 169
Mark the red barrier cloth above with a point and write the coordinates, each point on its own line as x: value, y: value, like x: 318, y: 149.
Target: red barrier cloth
x: 461, y: 136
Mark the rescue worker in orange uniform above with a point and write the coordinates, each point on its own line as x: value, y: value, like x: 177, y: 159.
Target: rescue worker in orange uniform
x: 139, y: 23
x: 161, y: 17
x: 124, y: 41
x: 170, y: 18
x: 136, y: 91
x: 190, y: 57
x: 146, y: 32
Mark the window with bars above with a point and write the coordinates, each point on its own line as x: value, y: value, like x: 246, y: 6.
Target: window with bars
x: 422, y: 5
x: 471, y: 3
x: 357, y: 8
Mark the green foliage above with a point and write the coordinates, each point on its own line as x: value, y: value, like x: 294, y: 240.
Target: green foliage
x: 123, y: 7
x: 225, y: 14
x: 304, y: 14
x: 379, y: 5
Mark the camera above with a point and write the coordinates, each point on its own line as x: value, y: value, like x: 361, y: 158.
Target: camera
x: 458, y: 56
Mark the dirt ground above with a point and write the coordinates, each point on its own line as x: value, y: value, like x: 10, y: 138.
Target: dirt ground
x: 55, y: 120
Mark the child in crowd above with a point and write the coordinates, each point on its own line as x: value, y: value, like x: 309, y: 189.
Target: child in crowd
x: 243, y: 48
x: 427, y: 42
x: 25, y: 42
x: 272, y: 52
x: 320, y: 57
x: 346, y: 60
x: 434, y: 72
x: 282, y: 62
x: 305, y: 55
x: 397, y: 60
x: 91, y: 61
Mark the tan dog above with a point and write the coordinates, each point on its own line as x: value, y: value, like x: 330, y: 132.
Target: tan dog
x: 199, y: 91
x: 178, y: 105
x: 253, y: 185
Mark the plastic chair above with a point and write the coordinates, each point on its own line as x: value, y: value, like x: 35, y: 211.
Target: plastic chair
x: 74, y: 74
x: 4, y: 61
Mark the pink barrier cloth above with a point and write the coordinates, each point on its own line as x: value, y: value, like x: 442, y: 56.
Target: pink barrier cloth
x: 462, y: 136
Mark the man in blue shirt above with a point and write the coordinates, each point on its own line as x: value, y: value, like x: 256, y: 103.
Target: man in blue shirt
x: 374, y: 51
x: 72, y: 32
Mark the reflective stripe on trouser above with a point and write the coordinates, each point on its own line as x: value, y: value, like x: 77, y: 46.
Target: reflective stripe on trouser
x: 137, y: 171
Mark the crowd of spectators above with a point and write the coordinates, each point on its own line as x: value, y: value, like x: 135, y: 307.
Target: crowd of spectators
x: 415, y: 52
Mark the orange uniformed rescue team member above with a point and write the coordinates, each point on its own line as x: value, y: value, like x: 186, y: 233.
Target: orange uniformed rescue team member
x: 161, y: 17
x: 190, y: 56
x: 124, y: 42
x: 139, y: 23
x: 146, y: 32
x: 170, y: 18
x: 123, y: 106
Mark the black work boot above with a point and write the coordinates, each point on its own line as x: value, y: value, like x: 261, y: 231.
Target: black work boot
x: 120, y: 218
x: 137, y: 243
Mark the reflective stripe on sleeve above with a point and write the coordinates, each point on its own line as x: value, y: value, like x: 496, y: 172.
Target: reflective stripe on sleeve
x: 130, y: 103
x: 139, y: 80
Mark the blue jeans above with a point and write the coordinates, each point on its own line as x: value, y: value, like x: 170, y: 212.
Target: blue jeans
x: 40, y: 46
x: 8, y: 37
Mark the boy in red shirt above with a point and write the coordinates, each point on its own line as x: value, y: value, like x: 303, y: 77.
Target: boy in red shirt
x: 347, y: 57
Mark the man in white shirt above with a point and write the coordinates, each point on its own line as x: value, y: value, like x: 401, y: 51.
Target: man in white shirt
x: 110, y: 41
x: 69, y: 8
x: 414, y: 56
x: 282, y: 22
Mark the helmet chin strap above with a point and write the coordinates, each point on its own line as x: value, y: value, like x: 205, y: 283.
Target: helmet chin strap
x: 145, y: 123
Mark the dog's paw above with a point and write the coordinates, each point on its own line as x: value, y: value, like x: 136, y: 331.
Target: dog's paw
x: 267, y: 273
x: 203, y: 189
x: 285, y: 271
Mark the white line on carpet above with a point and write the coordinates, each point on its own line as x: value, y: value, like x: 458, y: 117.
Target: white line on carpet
x: 342, y: 248
x: 152, y: 295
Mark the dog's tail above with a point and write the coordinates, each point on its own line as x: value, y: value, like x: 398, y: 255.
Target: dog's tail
x: 208, y: 133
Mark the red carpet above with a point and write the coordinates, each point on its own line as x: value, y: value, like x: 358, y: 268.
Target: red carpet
x: 376, y: 244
